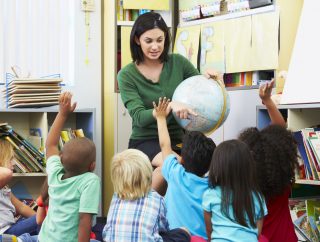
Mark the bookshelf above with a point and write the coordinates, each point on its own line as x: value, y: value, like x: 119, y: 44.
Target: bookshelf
x: 42, y: 118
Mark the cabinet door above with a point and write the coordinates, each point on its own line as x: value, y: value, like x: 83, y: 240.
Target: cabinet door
x: 242, y: 112
x: 124, y: 126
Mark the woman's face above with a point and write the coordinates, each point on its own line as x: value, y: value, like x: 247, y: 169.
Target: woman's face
x: 152, y: 43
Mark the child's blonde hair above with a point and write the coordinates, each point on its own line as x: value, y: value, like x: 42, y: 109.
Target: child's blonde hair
x: 6, y: 152
x: 131, y: 174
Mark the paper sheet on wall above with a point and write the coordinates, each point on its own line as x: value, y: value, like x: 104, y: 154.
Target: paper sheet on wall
x: 147, y: 4
x: 125, y: 46
x: 238, y: 45
x: 302, y: 84
x: 265, y: 38
x: 187, y: 43
x: 212, y: 47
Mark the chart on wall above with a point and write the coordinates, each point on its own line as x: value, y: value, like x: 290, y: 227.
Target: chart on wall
x: 265, y: 42
x: 302, y: 84
x: 187, y: 43
x: 212, y: 55
x: 238, y: 45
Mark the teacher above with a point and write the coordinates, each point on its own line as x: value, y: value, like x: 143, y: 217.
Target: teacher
x: 154, y: 73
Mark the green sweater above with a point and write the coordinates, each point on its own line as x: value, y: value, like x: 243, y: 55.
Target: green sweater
x: 138, y: 93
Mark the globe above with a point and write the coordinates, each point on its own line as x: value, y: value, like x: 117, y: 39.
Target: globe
x: 206, y: 97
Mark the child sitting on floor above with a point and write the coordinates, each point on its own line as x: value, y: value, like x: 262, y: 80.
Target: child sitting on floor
x: 136, y: 212
x: 275, y: 153
x: 186, y: 181
x: 9, y: 204
x: 233, y: 206
x: 73, y: 188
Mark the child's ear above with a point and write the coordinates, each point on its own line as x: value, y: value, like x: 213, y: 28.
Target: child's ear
x: 92, y: 166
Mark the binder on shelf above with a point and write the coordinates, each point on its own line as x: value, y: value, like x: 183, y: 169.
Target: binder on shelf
x: 28, y: 158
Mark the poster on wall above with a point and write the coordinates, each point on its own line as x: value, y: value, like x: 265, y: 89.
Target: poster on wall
x: 212, y: 55
x: 187, y: 43
x: 302, y: 84
x: 238, y: 45
x: 149, y: 4
x: 265, y: 47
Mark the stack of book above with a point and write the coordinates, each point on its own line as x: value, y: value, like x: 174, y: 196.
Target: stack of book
x: 31, y: 92
x: 305, y: 216
x: 308, y: 140
x: 27, y: 157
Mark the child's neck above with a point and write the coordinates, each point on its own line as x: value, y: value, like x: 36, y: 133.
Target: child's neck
x: 70, y: 174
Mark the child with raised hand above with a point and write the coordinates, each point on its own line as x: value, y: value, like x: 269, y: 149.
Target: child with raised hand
x: 137, y: 213
x: 275, y: 153
x: 233, y: 206
x: 73, y: 188
x: 9, y: 204
x: 187, y: 180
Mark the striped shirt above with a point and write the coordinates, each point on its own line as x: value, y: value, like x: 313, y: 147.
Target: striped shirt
x: 136, y: 220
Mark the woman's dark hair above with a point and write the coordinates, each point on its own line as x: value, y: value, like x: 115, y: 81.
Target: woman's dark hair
x: 274, y: 150
x: 197, y: 150
x: 233, y: 169
x: 44, y: 193
x: 144, y: 23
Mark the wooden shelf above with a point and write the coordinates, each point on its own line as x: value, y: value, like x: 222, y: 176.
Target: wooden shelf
x: 307, y: 182
x: 266, y: 9
x: 29, y: 174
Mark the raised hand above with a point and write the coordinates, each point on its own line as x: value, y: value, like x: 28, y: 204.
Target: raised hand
x: 265, y: 91
x: 65, y: 106
x: 161, y: 110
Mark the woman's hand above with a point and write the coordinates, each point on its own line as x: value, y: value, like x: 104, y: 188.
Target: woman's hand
x: 182, y: 110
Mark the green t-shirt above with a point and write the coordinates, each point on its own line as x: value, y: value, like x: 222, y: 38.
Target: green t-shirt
x: 138, y: 93
x: 68, y: 198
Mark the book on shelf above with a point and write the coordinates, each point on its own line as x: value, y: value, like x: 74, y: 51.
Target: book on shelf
x: 27, y: 157
x: 308, y: 141
x: 32, y: 92
x: 303, y: 214
x: 68, y: 134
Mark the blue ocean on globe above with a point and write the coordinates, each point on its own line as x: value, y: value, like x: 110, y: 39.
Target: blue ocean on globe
x: 205, y: 97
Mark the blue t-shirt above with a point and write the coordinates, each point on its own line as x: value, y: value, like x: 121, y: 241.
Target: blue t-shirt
x: 184, y: 197
x: 223, y: 228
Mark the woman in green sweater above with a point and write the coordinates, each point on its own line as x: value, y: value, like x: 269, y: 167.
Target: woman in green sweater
x: 153, y: 74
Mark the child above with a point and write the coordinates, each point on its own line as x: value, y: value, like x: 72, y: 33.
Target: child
x: 275, y: 152
x: 136, y: 212
x: 43, y: 205
x: 186, y: 181
x: 233, y: 206
x: 9, y: 204
x: 73, y: 188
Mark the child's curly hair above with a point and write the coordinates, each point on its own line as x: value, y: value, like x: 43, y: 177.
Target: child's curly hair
x: 275, y: 151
